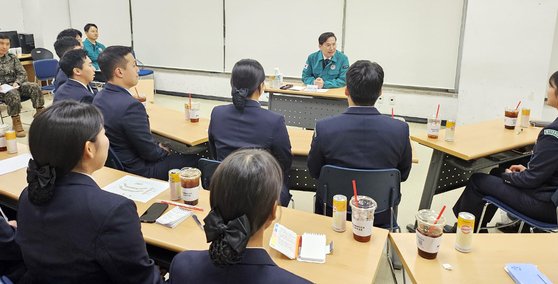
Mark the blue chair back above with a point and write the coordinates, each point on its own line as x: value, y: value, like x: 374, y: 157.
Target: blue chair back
x: 113, y: 161
x: 382, y: 185
x: 207, y: 168
x: 45, y: 69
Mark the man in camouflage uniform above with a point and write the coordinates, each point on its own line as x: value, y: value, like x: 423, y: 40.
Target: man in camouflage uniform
x: 13, y: 74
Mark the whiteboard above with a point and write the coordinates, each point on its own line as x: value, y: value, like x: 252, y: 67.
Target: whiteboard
x: 112, y: 17
x: 554, y: 55
x: 179, y: 34
x: 416, y: 42
x: 279, y: 33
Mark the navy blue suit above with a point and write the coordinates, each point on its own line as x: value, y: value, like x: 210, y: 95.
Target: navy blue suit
x: 11, y: 262
x: 256, y: 266
x: 255, y: 127
x: 60, y: 79
x: 83, y: 235
x: 528, y: 192
x: 360, y: 138
x: 73, y: 90
x: 127, y: 127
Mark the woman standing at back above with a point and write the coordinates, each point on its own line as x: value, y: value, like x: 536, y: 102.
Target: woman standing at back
x: 245, y: 124
x: 69, y: 229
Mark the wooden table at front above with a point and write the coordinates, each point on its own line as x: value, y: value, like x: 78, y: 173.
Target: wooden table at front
x: 352, y: 261
x: 172, y: 124
x: 476, y: 146
x: 485, y: 264
x: 303, y: 109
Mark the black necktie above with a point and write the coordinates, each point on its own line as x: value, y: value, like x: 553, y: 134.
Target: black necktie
x: 326, y: 62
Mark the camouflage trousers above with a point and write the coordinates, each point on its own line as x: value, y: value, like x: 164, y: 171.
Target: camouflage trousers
x: 26, y: 91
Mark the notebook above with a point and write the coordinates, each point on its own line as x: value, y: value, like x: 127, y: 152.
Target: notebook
x: 308, y: 247
x: 526, y: 273
x: 313, y: 248
x: 174, y: 217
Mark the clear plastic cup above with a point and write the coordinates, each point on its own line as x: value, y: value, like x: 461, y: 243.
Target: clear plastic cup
x: 429, y: 235
x: 363, y: 217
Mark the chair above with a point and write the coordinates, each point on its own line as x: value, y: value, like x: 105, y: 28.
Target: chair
x: 45, y: 70
x: 113, y: 161
x: 381, y: 185
x: 41, y: 53
x: 207, y: 168
x: 549, y: 227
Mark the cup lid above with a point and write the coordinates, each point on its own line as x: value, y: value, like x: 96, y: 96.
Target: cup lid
x: 364, y: 202
x: 190, y: 172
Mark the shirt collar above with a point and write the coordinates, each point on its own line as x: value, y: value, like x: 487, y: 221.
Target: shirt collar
x: 78, y: 82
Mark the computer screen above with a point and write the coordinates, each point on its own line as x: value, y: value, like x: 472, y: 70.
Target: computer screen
x: 14, y: 39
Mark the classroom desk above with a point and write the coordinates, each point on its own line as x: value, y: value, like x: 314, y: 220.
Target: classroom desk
x: 188, y: 236
x: 27, y: 62
x: 485, y: 264
x: 172, y: 124
x: 476, y: 146
x: 303, y: 109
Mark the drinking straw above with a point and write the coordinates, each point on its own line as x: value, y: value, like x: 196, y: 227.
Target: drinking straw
x: 190, y: 101
x: 517, y: 105
x: 392, y: 113
x: 437, y: 218
x: 137, y: 93
x: 437, y: 111
x: 355, y: 192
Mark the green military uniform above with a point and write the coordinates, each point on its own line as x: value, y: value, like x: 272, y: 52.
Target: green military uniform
x: 333, y: 73
x: 11, y: 71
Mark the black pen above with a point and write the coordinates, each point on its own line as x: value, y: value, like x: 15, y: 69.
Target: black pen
x: 195, y: 217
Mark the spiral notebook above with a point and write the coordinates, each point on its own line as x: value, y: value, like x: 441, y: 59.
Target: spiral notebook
x: 308, y: 247
x: 526, y: 273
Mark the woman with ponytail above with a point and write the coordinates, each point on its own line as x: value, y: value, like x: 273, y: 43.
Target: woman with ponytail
x: 245, y: 124
x: 69, y: 230
x: 243, y: 196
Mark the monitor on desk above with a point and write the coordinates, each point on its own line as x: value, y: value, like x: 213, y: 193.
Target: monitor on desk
x: 14, y: 38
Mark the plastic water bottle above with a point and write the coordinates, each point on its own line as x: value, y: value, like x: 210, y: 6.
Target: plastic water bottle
x: 278, y: 81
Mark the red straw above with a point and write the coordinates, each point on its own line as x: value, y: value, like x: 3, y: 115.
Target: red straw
x: 190, y: 101
x: 517, y: 105
x: 392, y: 114
x: 437, y: 111
x: 355, y: 192
x: 437, y: 218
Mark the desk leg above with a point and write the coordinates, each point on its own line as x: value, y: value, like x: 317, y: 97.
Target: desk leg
x: 432, y: 179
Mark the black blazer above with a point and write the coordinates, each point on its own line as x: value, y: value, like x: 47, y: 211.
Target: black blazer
x: 10, y: 255
x: 83, y: 235
x: 60, y: 79
x: 256, y: 266
x: 73, y: 90
x: 362, y: 138
x: 255, y: 127
x: 127, y: 128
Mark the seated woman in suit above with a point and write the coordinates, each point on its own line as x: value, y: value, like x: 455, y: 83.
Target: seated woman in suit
x: 69, y: 229
x: 11, y: 263
x: 245, y: 124
x: 529, y: 190
x: 243, y: 196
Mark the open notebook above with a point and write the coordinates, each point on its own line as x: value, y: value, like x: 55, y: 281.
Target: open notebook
x: 308, y: 247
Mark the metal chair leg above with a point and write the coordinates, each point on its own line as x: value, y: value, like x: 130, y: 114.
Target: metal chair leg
x: 520, y: 227
x: 482, y: 217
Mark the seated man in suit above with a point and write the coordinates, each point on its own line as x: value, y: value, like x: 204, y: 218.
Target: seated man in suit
x: 11, y: 261
x: 361, y: 137
x: 61, y: 46
x: 327, y: 67
x: 77, y: 66
x: 126, y: 121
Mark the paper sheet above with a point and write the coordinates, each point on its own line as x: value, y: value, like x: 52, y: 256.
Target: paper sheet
x: 6, y: 88
x: 14, y: 164
x: 137, y: 188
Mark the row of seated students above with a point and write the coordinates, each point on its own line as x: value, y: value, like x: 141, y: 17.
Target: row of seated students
x: 363, y: 138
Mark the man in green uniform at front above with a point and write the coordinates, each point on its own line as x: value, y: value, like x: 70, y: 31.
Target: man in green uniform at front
x: 327, y: 67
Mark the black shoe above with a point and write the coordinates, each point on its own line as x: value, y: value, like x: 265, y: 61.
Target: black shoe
x: 450, y: 229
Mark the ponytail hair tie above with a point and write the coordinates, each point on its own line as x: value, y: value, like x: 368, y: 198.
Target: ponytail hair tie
x: 41, y: 182
x: 235, y: 233
x: 239, y: 97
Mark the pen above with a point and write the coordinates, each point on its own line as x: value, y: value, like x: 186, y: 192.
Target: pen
x: 185, y: 206
x: 195, y: 217
x: 3, y: 215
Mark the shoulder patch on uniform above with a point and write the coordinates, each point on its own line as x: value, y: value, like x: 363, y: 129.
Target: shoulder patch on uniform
x: 306, y: 66
x: 551, y: 132
x: 345, y: 66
